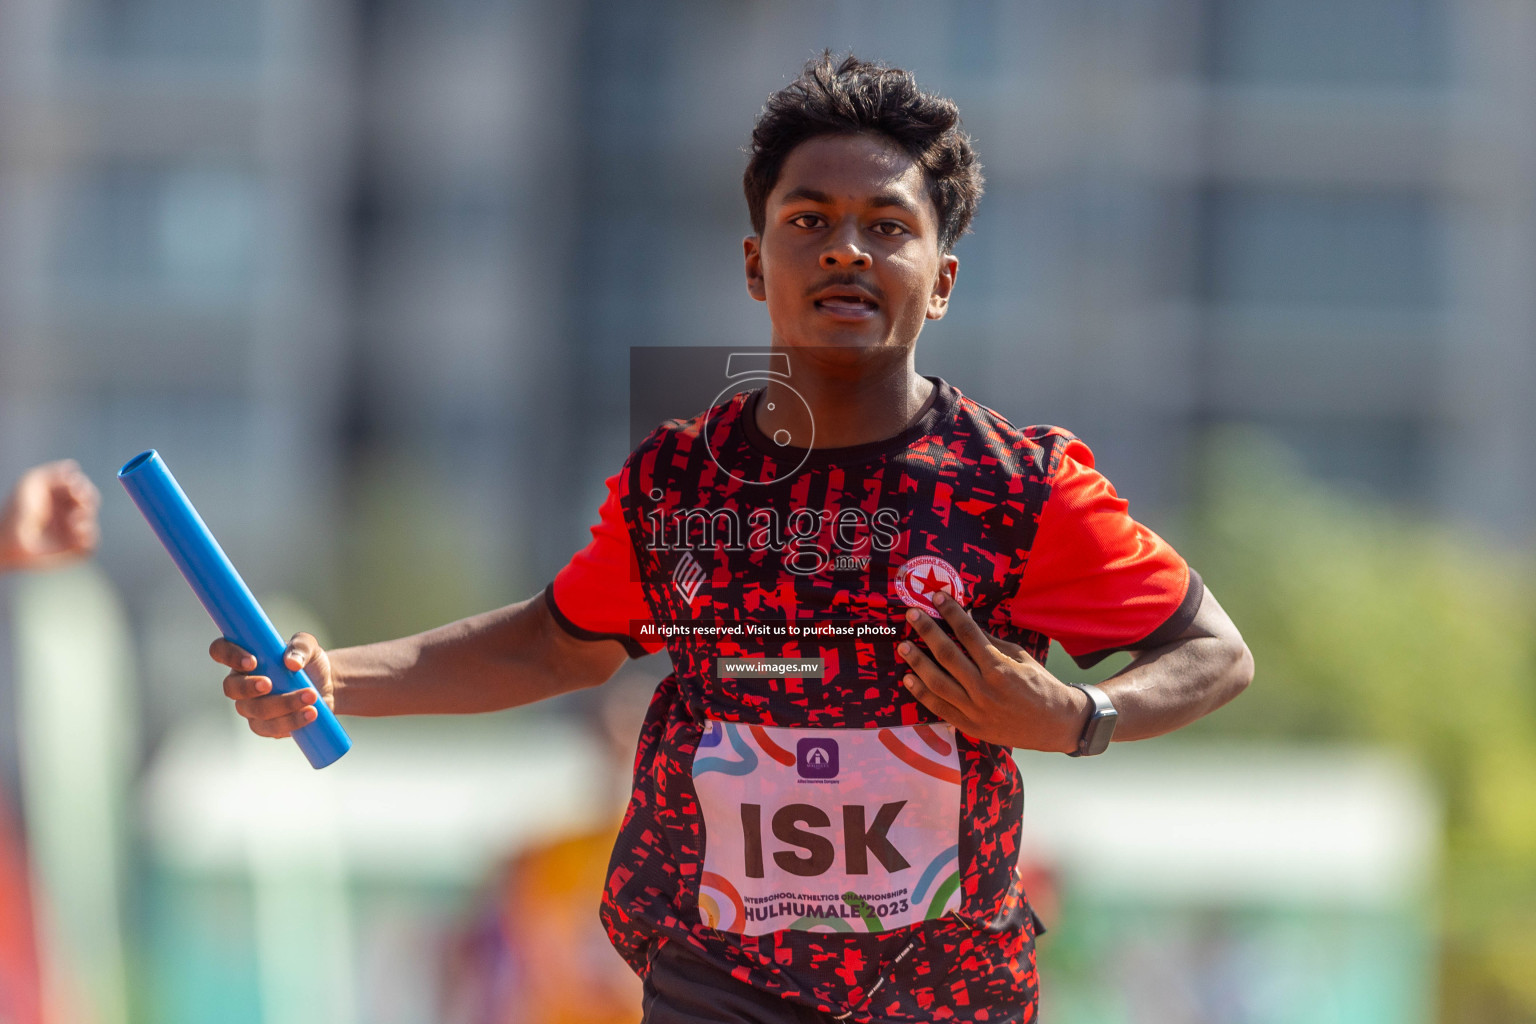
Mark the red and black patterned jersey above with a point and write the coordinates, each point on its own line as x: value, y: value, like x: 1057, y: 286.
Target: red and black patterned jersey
x: 718, y: 543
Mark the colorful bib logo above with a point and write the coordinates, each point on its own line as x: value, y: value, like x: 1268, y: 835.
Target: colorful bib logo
x: 920, y: 578
x: 816, y: 759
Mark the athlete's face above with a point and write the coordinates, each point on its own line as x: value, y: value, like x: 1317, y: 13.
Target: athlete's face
x: 849, y: 255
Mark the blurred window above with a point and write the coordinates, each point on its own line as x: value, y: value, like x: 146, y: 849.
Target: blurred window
x: 450, y: 14
x: 222, y: 32
x: 1315, y: 248
x: 1328, y: 325
x: 1328, y: 42
x: 1023, y: 252
x: 1384, y: 457
x: 159, y: 232
x: 472, y: 216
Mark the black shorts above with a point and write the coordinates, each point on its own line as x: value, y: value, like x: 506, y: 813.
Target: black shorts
x: 682, y: 989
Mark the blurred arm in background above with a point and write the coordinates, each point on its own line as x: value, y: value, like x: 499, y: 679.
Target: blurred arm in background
x: 49, y: 518
x: 499, y: 659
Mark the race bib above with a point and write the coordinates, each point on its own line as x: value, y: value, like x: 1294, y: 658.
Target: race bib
x: 827, y: 829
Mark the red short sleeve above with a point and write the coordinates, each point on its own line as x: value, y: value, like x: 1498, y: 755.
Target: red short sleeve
x: 1097, y: 581
x: 598, y: 596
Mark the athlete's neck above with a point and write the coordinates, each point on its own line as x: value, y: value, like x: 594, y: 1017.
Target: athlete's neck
x: 847, y: 410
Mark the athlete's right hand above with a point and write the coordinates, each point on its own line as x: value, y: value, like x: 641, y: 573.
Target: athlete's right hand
x: 276, y: 714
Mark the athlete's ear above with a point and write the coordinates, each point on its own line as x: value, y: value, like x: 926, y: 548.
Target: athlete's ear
x: 754, y: 259
x: 938, y: 299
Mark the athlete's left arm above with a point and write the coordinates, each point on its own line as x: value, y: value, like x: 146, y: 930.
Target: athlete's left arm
x: 993, y: 690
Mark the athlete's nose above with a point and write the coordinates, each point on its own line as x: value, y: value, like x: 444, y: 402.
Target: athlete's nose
x: 843, y: 251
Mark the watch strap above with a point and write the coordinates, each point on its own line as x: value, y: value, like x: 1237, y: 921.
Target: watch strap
x: 1100, y: 727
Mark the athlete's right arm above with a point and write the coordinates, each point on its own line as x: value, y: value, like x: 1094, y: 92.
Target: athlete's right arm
x: 499, y: 659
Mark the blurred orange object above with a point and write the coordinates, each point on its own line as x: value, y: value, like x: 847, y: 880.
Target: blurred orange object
x: 535, y: 951
x: 571, y: 973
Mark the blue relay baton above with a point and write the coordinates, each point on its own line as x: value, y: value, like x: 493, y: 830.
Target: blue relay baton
x: 224, y: 594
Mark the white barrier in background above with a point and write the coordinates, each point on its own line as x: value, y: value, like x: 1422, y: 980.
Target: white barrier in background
x: 435, y: 801
x: 77, y: 726
x: 306, y: 966
x: 1218, y: 822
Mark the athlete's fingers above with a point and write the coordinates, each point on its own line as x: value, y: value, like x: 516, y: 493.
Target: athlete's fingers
x: 1009, y: 650
x: 305, y: 654
x: 944, y: 650
x: 976, y: 642
x: 278, y: 728
x: 302, y: 649
x: 275, y: 706
x: 238, y: 686
x: 934, y: 679
x: 938, y: 705
x: 228, y: 654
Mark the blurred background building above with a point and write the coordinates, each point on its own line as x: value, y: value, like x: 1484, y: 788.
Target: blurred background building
x: 368, y: 274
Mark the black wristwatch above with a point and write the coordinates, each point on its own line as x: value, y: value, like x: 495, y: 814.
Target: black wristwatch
x: 1100, y: 725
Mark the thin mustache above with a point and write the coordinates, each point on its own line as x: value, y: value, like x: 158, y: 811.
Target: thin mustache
x: 848, y: 280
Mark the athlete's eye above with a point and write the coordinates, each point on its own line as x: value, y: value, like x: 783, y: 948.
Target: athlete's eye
x: 890, y: 227
x: 806, y: 220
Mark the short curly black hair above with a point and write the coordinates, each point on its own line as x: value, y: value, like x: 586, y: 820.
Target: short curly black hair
x: 847, y: 96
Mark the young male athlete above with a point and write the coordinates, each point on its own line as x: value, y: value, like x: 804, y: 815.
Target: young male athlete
x: 833, y: 835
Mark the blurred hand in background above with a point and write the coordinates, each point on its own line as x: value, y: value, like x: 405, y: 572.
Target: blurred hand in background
x: 49, y: 517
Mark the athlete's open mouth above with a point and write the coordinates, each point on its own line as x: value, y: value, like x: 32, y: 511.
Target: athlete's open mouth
x: 849, y: 302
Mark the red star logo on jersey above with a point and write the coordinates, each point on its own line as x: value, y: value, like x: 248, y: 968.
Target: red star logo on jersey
x: 929, y: 582
x: 920, y: 578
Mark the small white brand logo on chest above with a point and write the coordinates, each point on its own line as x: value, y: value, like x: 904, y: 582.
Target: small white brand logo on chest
x: 688, y: 576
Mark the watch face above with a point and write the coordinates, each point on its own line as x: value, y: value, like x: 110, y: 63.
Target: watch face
x: 1101, y: 727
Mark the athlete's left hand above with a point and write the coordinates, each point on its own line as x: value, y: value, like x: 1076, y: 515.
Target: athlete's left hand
x: 988, y: 688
